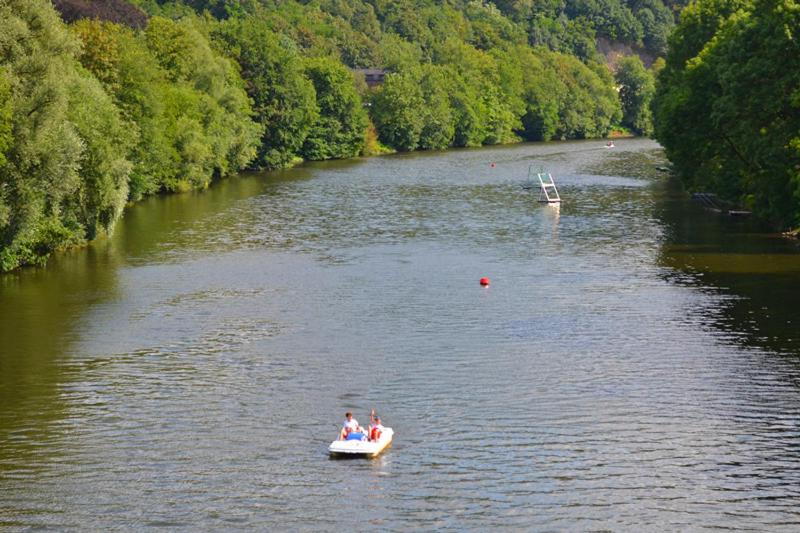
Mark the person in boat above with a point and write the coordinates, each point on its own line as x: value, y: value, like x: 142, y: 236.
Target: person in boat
x: 350, y: 425
x: 375, y: 426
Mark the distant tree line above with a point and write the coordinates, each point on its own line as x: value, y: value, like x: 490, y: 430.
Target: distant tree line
x: 132, y: 98
x: 728, y: 104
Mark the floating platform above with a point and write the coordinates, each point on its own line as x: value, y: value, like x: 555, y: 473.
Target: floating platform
x: 713, y: 203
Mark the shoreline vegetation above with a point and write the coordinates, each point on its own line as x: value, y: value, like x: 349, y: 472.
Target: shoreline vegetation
x: 103, y: 103
x: 727, y: 107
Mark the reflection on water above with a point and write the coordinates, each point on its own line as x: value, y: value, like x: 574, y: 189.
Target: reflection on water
x: 38, y: 322
x: 634, y: 364
x: 757, y: 272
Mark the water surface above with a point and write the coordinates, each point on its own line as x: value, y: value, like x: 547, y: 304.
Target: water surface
x: 634, y: 364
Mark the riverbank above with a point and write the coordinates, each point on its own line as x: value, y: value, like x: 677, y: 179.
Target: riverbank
x: 36, y: 253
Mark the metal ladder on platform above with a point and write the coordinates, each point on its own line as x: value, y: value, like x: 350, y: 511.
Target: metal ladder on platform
x: 548, y: 193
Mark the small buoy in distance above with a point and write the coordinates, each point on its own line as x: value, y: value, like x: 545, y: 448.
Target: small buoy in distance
x: 492, y: 165
x: 484, y: 281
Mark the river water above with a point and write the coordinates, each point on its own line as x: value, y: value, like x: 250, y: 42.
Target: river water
x: 634, y: 364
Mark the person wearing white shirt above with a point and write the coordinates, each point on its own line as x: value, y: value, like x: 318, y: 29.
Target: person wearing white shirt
x: 350, y: 426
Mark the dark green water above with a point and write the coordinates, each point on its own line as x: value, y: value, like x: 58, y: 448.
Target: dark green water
x: 635, y: 363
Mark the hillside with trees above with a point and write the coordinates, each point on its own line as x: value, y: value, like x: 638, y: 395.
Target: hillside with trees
x: 103, y: 102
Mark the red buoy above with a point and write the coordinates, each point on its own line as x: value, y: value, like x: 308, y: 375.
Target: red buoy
x: 492, y: 165
x: 484, y: 281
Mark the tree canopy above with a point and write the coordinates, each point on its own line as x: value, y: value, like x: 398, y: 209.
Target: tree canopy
x: 636, y: 90
x: 727, y: 107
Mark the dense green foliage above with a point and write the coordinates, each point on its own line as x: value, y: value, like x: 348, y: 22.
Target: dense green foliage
x: 284, y: 100
x: 571, y: 26
x: 43, y: 200
x: 94, y: 116
x: 338, y: 132
x: 6, y: 117
x: 728, y: 103
x: 137, y: 97
x: 119, y: 11
x: 459, y: 72
x: 205, y: 106
x: 636, y: 91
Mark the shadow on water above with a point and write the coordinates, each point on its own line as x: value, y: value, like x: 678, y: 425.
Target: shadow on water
x: 157, y: 226
x: 41, y: 311
x: 757, y: 271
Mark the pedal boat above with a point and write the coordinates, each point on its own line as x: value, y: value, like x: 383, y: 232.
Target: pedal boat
x: 363, y: 448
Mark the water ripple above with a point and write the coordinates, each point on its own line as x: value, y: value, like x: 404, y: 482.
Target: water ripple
x: 592, y: 386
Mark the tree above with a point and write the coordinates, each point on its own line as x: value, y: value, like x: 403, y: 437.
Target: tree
x: 636, y: 90
x: 757, y: 114
x: 6, y: 141
x: 119, y: 11
x: 588, y: 105
x: 397, y: 54
x: 104, y: 164
x: 438, y: 129
x: 728, y: 104
x: 341, y: 125
x: 490, y: 29
x: 541, y: 90
x: 683, y: 92
x: 209, y: 89
x: 494, y: 85
x: 6, y: 119
x: 657, y: 22
x: 468, y: 110
x: 396, y: 111
x: 610, y: 18
x: 132, y: 76
x: 284, y: 99
x: 40, y: 173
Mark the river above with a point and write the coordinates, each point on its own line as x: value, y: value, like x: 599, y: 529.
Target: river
x: 634, y: 364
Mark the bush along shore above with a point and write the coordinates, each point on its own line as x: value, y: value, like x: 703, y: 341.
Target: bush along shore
x: 103, y: 103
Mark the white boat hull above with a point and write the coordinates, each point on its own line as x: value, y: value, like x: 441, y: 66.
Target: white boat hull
x: 362, y: 447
